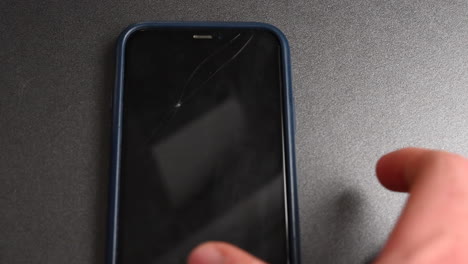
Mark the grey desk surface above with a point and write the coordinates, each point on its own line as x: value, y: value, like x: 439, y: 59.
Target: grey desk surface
x: 369, y: 77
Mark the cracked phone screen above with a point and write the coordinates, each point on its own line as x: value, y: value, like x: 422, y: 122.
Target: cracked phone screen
x: 202, y: 151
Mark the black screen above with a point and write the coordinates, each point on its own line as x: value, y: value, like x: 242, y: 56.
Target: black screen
x: 202, y: 144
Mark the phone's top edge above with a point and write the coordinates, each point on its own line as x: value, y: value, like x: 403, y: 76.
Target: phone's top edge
x: 138, y: 26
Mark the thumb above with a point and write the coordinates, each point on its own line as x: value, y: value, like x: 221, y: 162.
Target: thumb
x: 221, y: 253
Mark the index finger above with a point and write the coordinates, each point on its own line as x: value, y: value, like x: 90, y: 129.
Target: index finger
x: 433, y: 227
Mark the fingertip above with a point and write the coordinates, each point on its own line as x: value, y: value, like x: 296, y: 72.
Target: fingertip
x: 206, y: 253
x: 216, y: 252
x: 390, y: 168
x: 386, y: 171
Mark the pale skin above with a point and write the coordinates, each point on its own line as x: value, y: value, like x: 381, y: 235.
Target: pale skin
x: 432, y: 228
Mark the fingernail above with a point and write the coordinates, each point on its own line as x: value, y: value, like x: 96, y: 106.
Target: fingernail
x: 207, y: 254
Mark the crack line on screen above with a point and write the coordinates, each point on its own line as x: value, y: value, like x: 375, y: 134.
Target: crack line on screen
x: 204, y: 61
x: 181, y: 100
x: 179, y: 103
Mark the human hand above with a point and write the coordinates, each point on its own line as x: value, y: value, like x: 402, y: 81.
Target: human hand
x: 433, y: 227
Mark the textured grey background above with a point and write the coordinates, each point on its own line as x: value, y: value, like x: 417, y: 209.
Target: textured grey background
x: 369, y: 77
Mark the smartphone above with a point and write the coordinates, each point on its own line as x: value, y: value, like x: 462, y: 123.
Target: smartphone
x: 203, y: 143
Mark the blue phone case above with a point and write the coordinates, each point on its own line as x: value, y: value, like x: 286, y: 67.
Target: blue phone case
x: 288, y: 115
